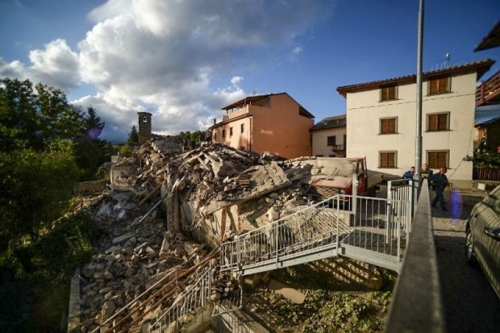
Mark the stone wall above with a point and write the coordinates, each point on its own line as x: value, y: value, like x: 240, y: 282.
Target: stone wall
x: 91, y: 187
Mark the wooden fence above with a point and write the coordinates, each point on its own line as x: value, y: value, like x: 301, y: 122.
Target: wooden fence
x: 486, y: 174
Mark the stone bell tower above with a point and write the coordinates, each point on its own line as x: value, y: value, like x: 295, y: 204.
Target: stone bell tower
x: 144, y: 126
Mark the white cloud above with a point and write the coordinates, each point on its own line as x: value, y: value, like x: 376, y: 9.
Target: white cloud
x: 163, y: 56
x: 297, y: 50
x: 55, y: 66
x: 236, y: 80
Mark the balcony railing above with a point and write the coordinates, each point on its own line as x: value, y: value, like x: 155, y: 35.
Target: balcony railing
x: 337, y: 147
x: 489, y: 91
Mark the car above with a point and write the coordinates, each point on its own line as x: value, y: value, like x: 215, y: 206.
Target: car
x: 482, y: 237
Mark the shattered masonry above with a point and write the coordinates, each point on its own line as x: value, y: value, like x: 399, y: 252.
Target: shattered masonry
x: 164, y: 198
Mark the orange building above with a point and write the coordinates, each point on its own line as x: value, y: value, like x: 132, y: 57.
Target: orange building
x: 273, y: 123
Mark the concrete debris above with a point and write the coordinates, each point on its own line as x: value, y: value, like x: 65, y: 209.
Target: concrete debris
x: 289, y: 293
x: 166, y: 207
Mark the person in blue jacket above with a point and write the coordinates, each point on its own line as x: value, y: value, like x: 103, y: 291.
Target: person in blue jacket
x: 409, y: 174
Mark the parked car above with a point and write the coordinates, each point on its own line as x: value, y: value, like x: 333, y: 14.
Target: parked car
x: 482, y: 240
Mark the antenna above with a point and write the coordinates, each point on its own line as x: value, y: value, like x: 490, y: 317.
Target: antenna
x: 447, y: 60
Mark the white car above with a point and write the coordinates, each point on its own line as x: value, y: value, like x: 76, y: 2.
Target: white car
x: 482, y: 241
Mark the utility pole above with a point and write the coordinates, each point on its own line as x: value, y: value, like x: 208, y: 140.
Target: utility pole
x: 418, y: 144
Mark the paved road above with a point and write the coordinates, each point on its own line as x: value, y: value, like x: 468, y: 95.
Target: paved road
x: 469, y: 302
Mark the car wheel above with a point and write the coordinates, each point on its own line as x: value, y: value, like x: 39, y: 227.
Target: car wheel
x: 470, y: 256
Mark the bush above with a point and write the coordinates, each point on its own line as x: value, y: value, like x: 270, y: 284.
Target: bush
x: 36, y: 276
x: 486, y: 160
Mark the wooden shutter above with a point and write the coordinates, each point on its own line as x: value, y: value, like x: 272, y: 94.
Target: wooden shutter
x: 388, y: 126
x: 388, y: 93
x: 387, y: 160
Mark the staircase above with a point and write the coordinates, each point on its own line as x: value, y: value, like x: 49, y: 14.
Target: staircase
x: 367, y: 229
x: 373, y: 230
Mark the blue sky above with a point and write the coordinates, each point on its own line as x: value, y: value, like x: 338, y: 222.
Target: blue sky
x: 185, y: 60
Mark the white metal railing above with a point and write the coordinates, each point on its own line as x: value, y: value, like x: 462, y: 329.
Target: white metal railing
x: 307, y: 231
x: 186, y: 305
x: 379, y: 231
x: 323, y: 230
x: 228, y: 295
x: 405, y: 191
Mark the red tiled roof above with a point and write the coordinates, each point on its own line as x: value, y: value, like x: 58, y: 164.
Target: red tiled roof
x: 252, y: 99
x: 481, y: 66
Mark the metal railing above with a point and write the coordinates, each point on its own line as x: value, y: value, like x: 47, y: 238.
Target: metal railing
x: 287, y: 241
x: 380, y: 229
x: 221, y: 292
x: 368, y: 229
x: 416, y: 304
x: 186, y: 304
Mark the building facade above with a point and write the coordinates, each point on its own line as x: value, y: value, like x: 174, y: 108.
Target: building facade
x: 329, y: 137
x: 272, y: 123
x: 382, y: 120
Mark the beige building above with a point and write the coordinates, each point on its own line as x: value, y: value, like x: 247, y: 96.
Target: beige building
x: 329, y: 137
x: 273, y: 123
x: 381, y: 120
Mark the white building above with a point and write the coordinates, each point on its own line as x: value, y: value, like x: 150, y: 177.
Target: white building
x: 329, y: 136
x: 381, y: 121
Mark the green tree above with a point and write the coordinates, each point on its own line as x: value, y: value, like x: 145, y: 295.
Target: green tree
x: 33, y: 118
x: 133, y: 136
x: 91, y: 151
x: 36, y: 189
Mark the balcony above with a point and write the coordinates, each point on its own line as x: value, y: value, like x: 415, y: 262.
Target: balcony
x: 241, y: 111
x: 489, y: 91
x: 338, y: 148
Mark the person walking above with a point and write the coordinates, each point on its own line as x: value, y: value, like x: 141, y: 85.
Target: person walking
x: 426, y: 172
x: 439, y: 181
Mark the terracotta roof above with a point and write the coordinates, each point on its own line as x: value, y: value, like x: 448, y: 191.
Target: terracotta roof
x: 223, y: 122
x: 253, y: 99
x: 330, y: 122
x: 491, y: 40
x: 481, y: 66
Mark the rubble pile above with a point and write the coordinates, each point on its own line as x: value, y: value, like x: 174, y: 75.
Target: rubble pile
x: 161, y: 199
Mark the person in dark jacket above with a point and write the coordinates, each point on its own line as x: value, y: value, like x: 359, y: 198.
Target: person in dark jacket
x: 439, y: 181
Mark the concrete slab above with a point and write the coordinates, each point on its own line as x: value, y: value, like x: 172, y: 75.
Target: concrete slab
x: 291, y: 294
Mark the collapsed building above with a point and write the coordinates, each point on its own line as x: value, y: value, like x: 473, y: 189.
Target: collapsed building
x: 165, y: 211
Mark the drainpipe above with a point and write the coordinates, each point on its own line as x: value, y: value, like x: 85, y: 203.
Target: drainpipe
x: 251, y: 133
